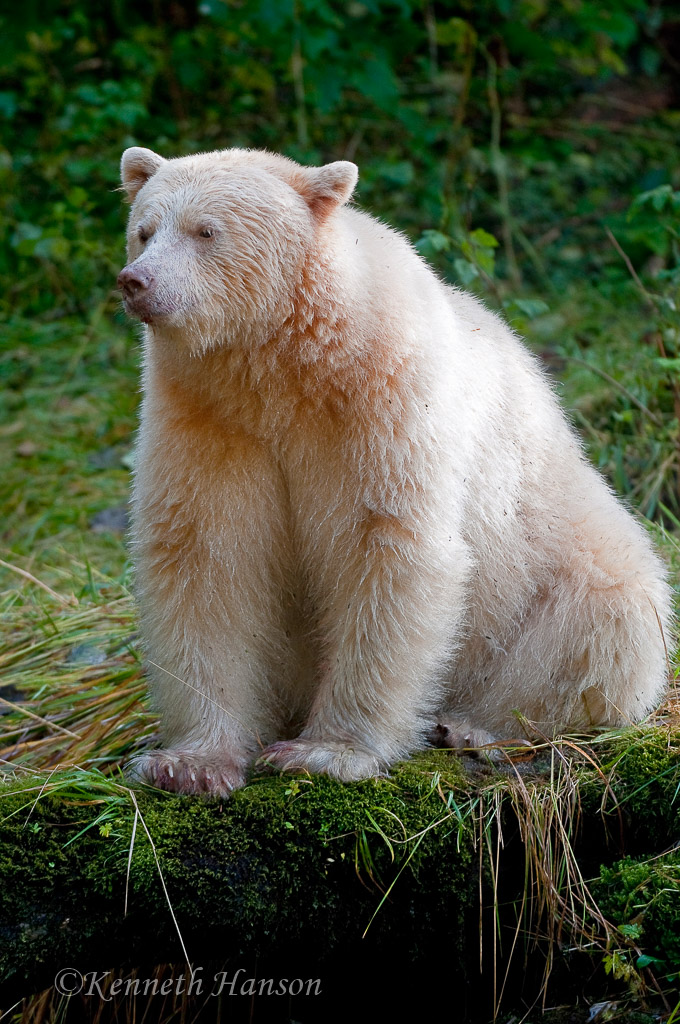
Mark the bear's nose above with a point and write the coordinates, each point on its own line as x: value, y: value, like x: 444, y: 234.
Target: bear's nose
x: 134, y: 280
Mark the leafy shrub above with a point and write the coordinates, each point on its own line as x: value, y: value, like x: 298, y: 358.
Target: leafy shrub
x: 642, y: 898
x: 412, y: 91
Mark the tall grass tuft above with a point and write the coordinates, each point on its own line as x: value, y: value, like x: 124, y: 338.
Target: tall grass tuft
x: 72, y: 689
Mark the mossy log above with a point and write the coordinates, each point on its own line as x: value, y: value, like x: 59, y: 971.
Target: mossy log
x: 303, y: 877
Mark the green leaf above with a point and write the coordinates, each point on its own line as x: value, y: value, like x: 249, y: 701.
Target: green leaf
x: 216, y: 9
x: 456, y: 32
x: 52, y: 248
x: 8, y: 104
x: 479, y: 247
x: 24, y: 233
x: 481, y: 237
x: 650, y: 61
x: 633, y: 931
x: 374, y: 79
x: 672, y: 365
x: 435, y: 241
x: 658, y: 198
x: 466, y: 272
x: 398, y: 173
x: 531, y: 308
x: 644, y: 960
x: 78, y: 197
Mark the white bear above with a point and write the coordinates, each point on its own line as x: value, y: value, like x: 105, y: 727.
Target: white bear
x: 358, y: 509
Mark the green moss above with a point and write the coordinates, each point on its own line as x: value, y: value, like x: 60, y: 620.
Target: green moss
x: 642, y: 771
x: 303, y: 860
x: 287, y: 863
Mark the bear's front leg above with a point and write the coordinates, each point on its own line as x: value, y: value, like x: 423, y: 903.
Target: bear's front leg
x: 209, y: 542
x: 395, y: 600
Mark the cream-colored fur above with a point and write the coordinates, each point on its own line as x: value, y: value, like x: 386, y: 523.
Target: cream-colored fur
x: 357, y: 504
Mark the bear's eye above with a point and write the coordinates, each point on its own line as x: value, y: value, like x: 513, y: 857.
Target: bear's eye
x: 206, y: 233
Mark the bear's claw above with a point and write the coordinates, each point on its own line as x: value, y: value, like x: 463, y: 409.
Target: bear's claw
x: 182, y: 772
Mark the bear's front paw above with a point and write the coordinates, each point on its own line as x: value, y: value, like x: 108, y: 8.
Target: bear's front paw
x: 182, y: 772
x: 339, y: 760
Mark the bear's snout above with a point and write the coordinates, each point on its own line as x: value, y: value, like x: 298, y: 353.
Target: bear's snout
x: 133, y: 281
x: 138, y: 286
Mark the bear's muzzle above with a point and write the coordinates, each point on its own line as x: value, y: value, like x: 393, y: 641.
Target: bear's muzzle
x: 138, y: 286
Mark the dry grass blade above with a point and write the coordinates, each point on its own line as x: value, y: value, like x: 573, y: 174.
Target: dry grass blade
x: 72, y: 601
x: 140, y: 816
x: 31, y: 714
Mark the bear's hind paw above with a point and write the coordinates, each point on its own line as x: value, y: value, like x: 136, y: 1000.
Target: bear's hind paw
x: 460, y: 735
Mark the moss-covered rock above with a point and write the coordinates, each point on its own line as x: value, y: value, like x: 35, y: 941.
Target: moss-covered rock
x: 341, y: 880
x: 641, y: 770
x: 288, y: 864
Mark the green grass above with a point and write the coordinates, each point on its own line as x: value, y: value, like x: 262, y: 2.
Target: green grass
x: 70, y: 393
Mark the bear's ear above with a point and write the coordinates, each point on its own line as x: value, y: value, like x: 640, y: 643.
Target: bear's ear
x: 325, y: 188
x: 137, y: 165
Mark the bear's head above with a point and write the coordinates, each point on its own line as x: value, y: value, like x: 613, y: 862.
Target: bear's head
x: 217, y: 242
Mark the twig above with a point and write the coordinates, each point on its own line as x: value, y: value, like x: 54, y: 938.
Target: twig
x: 617, y: 384
x: 7, y: 1012
x: 631, y: 269
x: 651, y: 301
x: 129, y: 864
x: 431, y: 29
x: 498, y: 163
x: 296, y: 69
